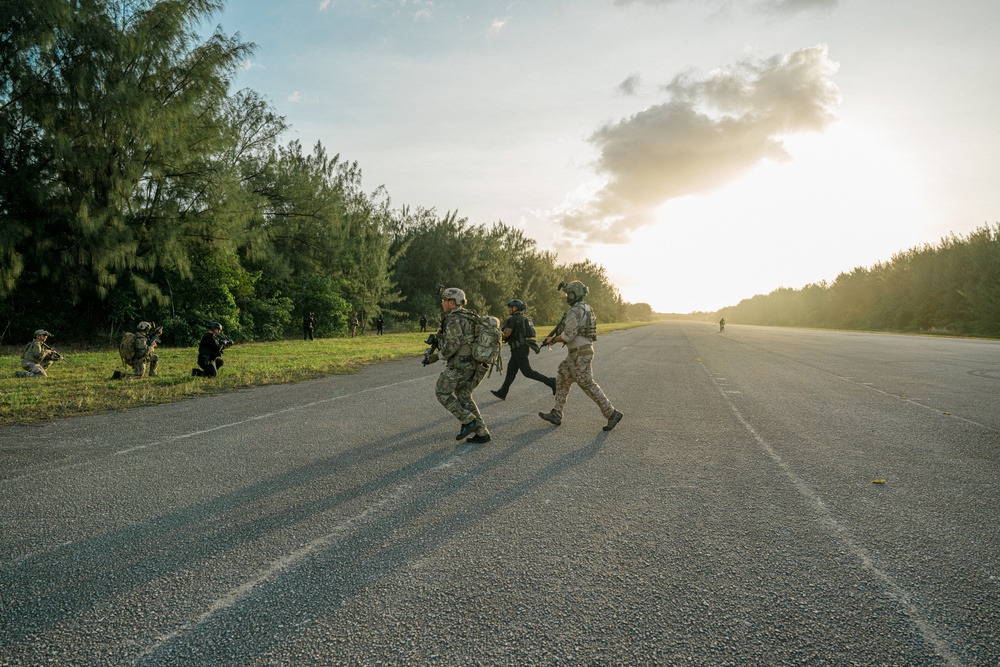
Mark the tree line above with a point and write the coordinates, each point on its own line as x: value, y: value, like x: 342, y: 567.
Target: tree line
x: 949, y: 287
x: 135, y: 185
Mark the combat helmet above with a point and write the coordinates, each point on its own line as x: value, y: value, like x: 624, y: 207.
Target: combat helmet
x: 517, y: 303
x: 455, y: 294
x: 144, y: 326
x: 575, y: 291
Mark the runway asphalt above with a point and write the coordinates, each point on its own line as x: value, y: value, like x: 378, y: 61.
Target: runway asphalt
x: 771, y: 497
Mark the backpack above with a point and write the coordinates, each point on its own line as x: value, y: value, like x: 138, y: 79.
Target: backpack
x: 529, y: 329
x: 486, y: 339
x: 126, y: 349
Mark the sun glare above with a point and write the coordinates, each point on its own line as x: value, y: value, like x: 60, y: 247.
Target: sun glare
x: 842, y: 200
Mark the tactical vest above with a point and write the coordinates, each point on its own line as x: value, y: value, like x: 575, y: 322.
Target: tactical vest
x: 588, y: 329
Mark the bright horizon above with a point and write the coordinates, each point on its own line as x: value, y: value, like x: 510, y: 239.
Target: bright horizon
x: 701, y: 151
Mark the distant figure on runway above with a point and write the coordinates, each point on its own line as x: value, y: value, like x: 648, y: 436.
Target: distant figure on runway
x: 722, y: 325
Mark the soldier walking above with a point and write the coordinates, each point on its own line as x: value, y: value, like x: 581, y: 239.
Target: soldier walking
x: 578, y: 333
x: 518, y: 337
x: 463, y: 374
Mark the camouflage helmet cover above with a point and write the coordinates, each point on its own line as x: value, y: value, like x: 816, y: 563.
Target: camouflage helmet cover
x: 144, y: 326
x: 454, y: 294
x: 42, y: 332
x: 575, y: 289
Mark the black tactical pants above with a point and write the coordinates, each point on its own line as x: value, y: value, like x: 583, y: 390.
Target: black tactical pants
x: 209, y: 367
x: 519, y: 362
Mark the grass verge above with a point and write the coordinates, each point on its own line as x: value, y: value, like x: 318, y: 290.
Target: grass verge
x: 81, y: 384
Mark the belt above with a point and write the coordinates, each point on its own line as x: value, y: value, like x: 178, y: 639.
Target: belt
x: 584, y: 351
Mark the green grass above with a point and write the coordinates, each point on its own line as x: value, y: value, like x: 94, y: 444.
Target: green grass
x: 81, y: 384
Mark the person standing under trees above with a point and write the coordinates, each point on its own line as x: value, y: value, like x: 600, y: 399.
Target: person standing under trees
x: 463, y: 374
x: 308, y: 326
x: 379, y: 324
x: 578, y: 333
x: 352, y: 324
x: 210, y: 352
x: 423, y: 323
x: 519, y: 334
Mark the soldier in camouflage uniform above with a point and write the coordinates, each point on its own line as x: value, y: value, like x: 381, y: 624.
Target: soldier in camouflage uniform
x: 463, y: 374
x: 142, y: 354
x: 37, y: 356
x: 578, y: 334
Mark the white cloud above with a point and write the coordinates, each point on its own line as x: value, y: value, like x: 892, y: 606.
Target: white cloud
x: 295, y: 97
x: 324, y: 5
x: 710, y: 132
x: 497, y: 25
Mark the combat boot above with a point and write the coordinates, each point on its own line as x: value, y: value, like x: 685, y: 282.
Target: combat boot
x: 552, y: 417
x: 117, y: 375
x: 613, y: 420
x: 466, y: 429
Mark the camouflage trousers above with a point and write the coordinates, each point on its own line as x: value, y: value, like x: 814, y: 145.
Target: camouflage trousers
x: 33, y: 370
x: 454, y: 391
x: 578, y: 367
x: 139, y: 366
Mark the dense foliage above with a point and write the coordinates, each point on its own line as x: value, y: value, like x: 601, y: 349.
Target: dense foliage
x: 134, y: 185
x: 951, y: 287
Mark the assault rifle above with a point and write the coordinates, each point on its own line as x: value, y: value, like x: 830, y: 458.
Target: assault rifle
x: 156, y: 332
x: 432, y: 339
x: 430, y: 351
x: 555, y: 332
x: 55, y: 356
x: 226, y: 342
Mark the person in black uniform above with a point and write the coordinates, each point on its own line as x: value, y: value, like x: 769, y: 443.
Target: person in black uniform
x: 516, y: 334
x: 210, y: 352
x: 308, y: 326
x: 379, y: 324
x: 423, y: 323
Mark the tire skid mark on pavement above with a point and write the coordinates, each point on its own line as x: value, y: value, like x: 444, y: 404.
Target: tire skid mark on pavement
x: 894, y: 590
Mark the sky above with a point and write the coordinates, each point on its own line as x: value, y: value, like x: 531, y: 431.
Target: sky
x: 701, y: 151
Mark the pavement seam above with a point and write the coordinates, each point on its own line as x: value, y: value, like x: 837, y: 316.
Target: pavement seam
x: 894, y: 590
